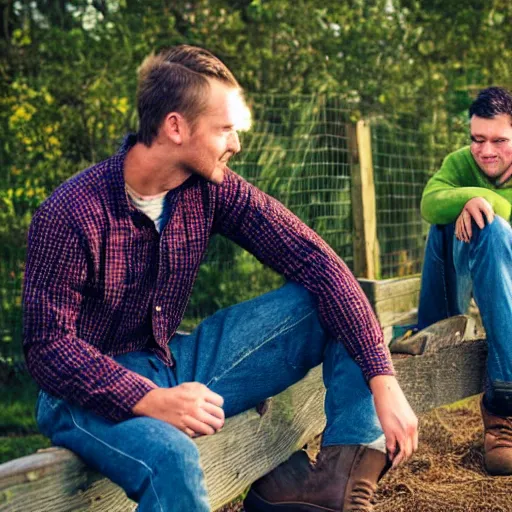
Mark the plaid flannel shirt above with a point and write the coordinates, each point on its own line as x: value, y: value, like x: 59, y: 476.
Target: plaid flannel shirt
x: 101, y: 281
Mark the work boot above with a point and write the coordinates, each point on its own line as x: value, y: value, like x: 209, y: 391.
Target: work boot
x: 497, y: 442
x: 343, y: 479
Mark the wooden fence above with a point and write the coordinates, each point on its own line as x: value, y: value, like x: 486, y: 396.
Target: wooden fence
x: 450, y: 366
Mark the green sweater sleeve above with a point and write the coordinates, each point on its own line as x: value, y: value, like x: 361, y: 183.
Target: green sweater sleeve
x: 458, y: 181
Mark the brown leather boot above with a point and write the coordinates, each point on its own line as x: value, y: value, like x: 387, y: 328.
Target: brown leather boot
x: 343, y: 479
x: 497, y: 442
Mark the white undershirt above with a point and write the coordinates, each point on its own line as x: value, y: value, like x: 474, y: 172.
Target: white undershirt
x: 155, y: 207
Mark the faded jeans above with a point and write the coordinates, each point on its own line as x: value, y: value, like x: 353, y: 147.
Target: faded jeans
x: 452, y: 270
x: 245, y: 353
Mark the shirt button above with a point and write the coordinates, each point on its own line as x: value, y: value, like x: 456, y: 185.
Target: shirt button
x: 158, y: 308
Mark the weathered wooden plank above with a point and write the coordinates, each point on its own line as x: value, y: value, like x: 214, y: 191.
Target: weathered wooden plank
x: 57, y: 480
x: 452, y: 366
x: 449, y: 332
x: 248, y: 446
x: 442, y: 377
x: 394, y: 301
x: 381, y: 290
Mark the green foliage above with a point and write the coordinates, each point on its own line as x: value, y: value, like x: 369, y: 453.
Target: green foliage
x: 18, y: 398
x: 69, y: 81
x: 228, y: 276
x: 18, y: 430
x: 13, y: 447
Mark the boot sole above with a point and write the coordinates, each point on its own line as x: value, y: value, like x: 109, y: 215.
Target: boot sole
x: 255, y: 503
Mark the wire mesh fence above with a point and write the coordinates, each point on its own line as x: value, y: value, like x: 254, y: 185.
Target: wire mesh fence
x: 297, y: 151
x: 405, y: 155
x: 400, y: 173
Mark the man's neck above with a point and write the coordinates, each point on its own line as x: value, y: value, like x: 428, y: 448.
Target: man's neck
x: 151, y: 170
x: 504, y: 178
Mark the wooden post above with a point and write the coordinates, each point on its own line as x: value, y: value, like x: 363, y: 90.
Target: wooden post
x: 364, y: 211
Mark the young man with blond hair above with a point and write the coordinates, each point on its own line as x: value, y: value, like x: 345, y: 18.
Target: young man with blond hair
x: 113, y: 255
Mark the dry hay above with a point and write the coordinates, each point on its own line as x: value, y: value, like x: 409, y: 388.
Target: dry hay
x: 447, y: 473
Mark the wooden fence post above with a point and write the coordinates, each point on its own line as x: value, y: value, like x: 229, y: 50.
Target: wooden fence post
x: 364, y: 211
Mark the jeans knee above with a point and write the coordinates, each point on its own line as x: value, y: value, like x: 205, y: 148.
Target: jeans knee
x: 498, y: 233
x: 179, y: 456
x: 499, y: 226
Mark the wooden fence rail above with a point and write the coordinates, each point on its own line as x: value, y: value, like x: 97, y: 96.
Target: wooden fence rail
x: 250, y: 444
x: 450, y: 367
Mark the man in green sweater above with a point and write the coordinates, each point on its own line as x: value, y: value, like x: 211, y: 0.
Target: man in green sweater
x: 469, y: 250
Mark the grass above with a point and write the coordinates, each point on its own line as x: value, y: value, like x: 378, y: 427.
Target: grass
x: 467, y: 402
x: 18, y: 430
x: 19, y: 446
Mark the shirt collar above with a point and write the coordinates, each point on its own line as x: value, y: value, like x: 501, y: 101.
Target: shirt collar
x: 122, y: 204
x: 116, y: 177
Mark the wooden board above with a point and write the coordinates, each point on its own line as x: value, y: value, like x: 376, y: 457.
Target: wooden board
x: 378, y: 291
x: 249, y: 446
x: 394, y: 301
x: 442, y: 377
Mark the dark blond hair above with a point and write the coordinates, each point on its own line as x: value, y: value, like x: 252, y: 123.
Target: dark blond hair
x: 176, y: 80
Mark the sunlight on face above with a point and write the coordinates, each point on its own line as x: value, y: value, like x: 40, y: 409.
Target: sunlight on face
x: 239, y: 111
x: 214, y: 139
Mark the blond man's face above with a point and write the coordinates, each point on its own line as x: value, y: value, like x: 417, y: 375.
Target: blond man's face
x: 214, y: 137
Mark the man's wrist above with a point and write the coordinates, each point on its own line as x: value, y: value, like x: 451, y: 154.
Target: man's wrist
x: 144, y: 405
x: 382, y: 382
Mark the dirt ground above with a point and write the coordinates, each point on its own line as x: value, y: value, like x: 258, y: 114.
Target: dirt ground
x: 446, y: 474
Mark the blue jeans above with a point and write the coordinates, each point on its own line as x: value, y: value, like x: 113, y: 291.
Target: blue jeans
x: 245, y: 353
x: 452, y: 270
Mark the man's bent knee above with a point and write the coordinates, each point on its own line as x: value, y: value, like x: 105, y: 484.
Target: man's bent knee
x: 498, y: 227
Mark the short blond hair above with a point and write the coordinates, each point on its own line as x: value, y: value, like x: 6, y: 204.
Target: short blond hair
x: 176, y: 80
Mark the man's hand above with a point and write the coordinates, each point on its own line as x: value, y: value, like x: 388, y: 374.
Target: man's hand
x: 191, y: 407
x: 474, y: 209
x: 398, y: 421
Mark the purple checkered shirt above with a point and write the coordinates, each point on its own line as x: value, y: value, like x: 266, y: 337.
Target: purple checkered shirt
x: 100, y: 281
